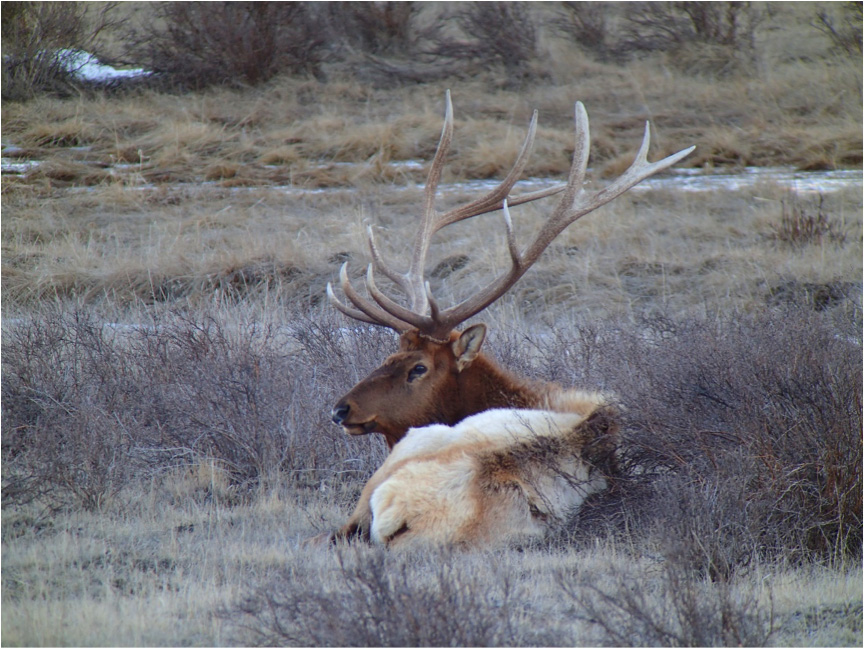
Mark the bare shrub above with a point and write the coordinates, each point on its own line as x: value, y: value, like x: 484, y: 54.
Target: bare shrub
x: 88, y: 406
x: 740, y: 435
x: 842, y: 24
x: 587, y: 24
x: 386, y: 44
x: 222, y: 395
x: 40, y: 40
x: 499, y: 33
x: 196, y: 44
x: 818, y: 296
x: 250, y: 397
x: 68, y: 401
x: 708, y: 526
x: 805, y: 222
x: 768, y: 405
x: 699, y: 33
x: 668, y: 608
x: 376, y: 27
x: 346, y: 353
x: 652, y: 27
x: 381, y: 599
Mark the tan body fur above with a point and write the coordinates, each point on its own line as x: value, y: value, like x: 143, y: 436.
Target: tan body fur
x: 496, y: 477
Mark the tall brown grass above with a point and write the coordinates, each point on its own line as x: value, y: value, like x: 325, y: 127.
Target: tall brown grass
x: 800, y: 111
x: 194, y: 245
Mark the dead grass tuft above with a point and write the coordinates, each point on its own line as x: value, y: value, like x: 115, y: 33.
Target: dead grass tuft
x: 221, y: 171
x: 68, y: 173
x: 804, y: 223
x: 74, y: 131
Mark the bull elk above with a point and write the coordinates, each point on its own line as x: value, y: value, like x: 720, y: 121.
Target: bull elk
x: 439, y: 375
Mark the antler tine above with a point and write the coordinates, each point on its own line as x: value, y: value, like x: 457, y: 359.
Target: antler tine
x: 368, y: 311
x: 639, y: 170
x: 437, y: 165
x: 491, y: 201
x: 511, y: 238
x: 394, y: 309
x: 573, y: 205
x: 412, y: 281
x: 347, y: 310
x: 433, y: 304
x: 521, y: 199
x: 378, y: 260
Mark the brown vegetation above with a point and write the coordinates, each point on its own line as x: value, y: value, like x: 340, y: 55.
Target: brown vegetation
x: 176, y: 390
x: 39, y: 39
x: 801, y: 224
x: 197, y: 44
x: 246, y: 403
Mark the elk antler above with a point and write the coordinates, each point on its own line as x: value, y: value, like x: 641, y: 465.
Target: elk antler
x: 422, y: 312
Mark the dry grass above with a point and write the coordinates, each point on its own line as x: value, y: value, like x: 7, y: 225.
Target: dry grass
x: 178, y: 201
x: 801, y: 224
x: 768, y: 120
x: 202, y: 574
x: 648, y: 251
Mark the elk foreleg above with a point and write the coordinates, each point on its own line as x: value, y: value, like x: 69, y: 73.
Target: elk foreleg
x: 360, y: 521
x: 358, y: 524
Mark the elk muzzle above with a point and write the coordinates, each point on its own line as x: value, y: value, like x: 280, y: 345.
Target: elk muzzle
x: 342, y: 415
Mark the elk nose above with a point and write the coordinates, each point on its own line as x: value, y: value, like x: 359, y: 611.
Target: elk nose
x: 340, y: 413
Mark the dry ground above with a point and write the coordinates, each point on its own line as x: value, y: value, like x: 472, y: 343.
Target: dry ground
x: 158, y: 196
x: 170, y: 569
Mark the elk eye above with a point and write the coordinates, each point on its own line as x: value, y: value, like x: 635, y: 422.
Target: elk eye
x: 416, y: 371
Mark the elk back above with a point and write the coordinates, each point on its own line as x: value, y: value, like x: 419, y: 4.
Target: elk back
x: 496, y: 477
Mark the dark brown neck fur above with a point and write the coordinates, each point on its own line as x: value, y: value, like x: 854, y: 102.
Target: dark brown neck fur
x: 493, y: 387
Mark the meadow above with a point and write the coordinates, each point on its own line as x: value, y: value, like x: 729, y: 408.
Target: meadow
x: 170, y: 359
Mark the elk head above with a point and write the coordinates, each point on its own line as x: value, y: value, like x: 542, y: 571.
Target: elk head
x: 439, y: 375
x: 417, y: 385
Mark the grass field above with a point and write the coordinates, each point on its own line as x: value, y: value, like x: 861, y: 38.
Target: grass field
x: 169, y: 359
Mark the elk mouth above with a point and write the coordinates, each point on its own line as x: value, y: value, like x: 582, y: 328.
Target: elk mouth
x: 362, y: 428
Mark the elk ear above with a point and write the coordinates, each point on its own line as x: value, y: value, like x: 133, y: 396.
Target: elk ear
x: 467, y: 346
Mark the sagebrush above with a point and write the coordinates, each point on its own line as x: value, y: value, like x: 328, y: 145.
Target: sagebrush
x: 719, y: 413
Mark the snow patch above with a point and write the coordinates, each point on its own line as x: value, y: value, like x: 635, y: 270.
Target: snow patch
x: 87, y: 67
